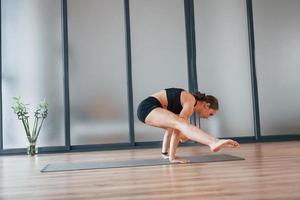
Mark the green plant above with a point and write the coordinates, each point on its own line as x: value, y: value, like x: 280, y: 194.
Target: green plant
x: 40, y: 114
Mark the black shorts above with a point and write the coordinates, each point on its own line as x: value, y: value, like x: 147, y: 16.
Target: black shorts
x: 146, y: 106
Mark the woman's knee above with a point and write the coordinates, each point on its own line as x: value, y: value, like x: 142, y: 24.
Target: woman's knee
x: 180, y: 123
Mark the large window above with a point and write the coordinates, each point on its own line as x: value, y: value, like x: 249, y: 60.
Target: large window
x: 277, y: 41
x: 98, y: 83
x: 158, y: 53
x: 223, y: 65
x: 32, y: 68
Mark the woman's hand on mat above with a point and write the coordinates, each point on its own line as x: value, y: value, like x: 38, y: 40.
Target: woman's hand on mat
x: 178, y: 160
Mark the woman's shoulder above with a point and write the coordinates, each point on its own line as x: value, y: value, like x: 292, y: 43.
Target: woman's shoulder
x: 186, y: 96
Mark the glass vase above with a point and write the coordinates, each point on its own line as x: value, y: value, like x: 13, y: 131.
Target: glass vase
x: 32, y: 149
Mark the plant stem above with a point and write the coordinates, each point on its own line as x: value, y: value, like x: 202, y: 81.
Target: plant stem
x: 38, y: 132
x: 26, y: 130
x: 34, y: 127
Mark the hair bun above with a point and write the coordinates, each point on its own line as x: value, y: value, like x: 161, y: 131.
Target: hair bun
x: 202, y: 96
x: 199, y: 96
x: 207, y: 98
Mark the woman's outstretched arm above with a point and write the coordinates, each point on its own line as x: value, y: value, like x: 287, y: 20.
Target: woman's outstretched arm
x: 173, y: 147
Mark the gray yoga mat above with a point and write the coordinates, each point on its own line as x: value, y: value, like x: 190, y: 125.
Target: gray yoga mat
x: 134, y: 163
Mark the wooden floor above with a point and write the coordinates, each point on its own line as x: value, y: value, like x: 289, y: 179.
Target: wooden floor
x: 270, y: 171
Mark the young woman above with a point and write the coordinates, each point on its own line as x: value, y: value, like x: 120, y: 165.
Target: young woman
x: 171, y: 108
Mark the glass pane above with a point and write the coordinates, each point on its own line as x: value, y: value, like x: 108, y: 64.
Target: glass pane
x: 32, y: 68
x: 158, y: 53
x: 277, y: 41
x: 223, y: 65
x: 98, y: 83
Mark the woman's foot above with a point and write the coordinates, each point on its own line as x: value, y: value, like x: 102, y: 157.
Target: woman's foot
x: 218, y: 145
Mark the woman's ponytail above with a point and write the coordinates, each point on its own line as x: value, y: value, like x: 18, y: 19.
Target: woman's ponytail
x: 213, y: 101
x: 199, y: 96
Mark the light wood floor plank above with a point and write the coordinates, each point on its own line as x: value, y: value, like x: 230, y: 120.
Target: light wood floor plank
x: 270, y: 171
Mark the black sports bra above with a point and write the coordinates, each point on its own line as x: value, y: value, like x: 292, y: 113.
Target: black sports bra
x: 173, y: 97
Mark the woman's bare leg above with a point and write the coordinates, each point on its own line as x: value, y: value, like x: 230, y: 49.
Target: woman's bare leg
x: 163, y: 118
